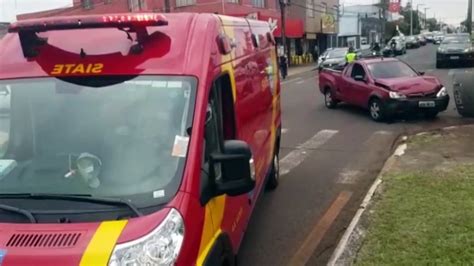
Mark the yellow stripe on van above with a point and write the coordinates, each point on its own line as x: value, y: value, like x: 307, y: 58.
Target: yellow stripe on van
x: 202, y: 258
x: 100, y: 248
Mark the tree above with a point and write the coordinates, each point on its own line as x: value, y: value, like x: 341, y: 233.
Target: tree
x: 432, y: 24
x: 405, y: 27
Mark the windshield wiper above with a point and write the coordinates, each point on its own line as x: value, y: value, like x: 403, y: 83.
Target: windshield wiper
x: 78, y: 198
x: 26, y: 213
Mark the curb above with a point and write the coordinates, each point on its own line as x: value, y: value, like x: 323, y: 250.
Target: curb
x: 342, y: 245
x: 399, y: 151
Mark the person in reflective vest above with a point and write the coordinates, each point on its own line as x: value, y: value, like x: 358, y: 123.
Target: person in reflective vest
x: 351, y: 55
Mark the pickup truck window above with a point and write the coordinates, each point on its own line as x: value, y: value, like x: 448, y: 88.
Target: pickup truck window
x: 357, y: 70
x: 390, y: 70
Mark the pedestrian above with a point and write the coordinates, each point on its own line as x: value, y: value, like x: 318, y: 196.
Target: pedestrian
x: 315, y: 53
x: 283, y: 62
x: 351, y: 55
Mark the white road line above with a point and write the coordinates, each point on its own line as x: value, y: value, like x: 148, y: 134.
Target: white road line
x: 377, y: 135
x: 348, y: 176
x: 290, y: 80
x: 294, y: 158
x: 284, y: 130
x: 300, y: 82
x: 355, y: 169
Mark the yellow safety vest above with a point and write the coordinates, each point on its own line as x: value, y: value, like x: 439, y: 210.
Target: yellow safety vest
x: 351, y: 57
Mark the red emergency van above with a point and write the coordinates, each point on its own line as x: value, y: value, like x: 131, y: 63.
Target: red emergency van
x: 135, y: 139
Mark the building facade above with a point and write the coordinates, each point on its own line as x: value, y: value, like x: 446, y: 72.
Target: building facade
x: 308, y: 22
x: 267, y: 10
x: 360, y: 25
x: 3, y: 29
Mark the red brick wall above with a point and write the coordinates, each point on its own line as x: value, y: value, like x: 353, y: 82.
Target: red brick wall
x: 201, y: 6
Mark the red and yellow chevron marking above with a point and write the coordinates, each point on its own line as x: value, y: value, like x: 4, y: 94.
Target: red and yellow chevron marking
x: 102, y: 244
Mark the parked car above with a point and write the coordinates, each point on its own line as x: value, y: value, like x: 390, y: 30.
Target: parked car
x: 438, y: 38
x: 332, y: 57
x: 422, y: 40
x: 412, y: 42
x: 429, y: 37
x: 455, y: 49
x: 385, y: 87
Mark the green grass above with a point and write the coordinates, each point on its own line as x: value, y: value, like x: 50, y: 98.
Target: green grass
x: 422, y: 219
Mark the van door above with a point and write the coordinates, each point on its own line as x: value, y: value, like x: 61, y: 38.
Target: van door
x: 265, y: 91
x: 229, y: 214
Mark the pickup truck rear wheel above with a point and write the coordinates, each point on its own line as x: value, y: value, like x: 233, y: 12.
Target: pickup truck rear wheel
x: 376, y: 108
x: 329, y: 100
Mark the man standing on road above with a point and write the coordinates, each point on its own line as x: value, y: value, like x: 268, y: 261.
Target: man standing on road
x: 351, y: 55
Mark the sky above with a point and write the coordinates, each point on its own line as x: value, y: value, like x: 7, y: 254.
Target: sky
x: 9, y: 8
x: 449, y: 11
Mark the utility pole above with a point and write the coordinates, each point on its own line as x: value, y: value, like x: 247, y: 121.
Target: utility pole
x: 167, y: 6
x: 425, y: 23
x: 411, y: 17
x: 286, y: 49
x: 469, y: 17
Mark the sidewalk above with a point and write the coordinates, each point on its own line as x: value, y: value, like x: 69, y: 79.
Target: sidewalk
x: 295, y: 70
x: 421, y: 214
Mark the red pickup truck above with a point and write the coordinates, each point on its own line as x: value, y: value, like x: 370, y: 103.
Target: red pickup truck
x: 386, y: 87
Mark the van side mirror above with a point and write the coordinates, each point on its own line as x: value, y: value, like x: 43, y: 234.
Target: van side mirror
x: 359, y: 78
x: 235, y: 163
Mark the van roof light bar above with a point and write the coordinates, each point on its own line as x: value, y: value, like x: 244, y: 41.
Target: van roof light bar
x: 28, y: 29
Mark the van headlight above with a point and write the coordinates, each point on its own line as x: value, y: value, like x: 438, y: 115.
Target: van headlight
x: 160, y: 247
x: 442, y: 92
x: 396, y: 95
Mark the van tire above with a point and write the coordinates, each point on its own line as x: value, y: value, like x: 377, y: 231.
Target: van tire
x: 274, y: 176
x: 329, y: 100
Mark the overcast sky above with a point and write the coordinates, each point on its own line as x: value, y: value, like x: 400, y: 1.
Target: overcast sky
x: 450, y: 11
x: 9, y: 8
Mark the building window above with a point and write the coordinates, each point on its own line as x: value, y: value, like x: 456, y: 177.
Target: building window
x: 180, y: 3
x: 87, y: 4
x: 258, y: 3
x: 136, y: 5
x: 310, y: 8
x: 233, y: 1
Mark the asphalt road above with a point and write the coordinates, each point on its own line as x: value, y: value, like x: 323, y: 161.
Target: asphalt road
x: 329, y: 160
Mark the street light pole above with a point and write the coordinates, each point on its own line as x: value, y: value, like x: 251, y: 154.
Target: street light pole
x: 469, y: 17
x: 418, y: 14
x: 411, y: 17
x: 424, y: 25
x: 286, y: 49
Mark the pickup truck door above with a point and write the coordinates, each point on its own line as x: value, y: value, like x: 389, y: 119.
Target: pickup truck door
x: 358, y: 86
x: 343, y: 84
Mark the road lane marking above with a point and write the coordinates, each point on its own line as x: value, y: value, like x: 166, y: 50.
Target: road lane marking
x: 284, y: 130
x: 348, y: 176
x: 294, y: 158
x: 300, y: 82
x: 357, y: 168
x: 291, y: 80
x: 310, y: 244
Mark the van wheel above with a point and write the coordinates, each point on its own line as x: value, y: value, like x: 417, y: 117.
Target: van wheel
x: 329, y: 100
x: 274, y: 177
x: 376, y: 108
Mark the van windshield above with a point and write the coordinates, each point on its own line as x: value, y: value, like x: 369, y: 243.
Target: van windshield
x: 118, y: 137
